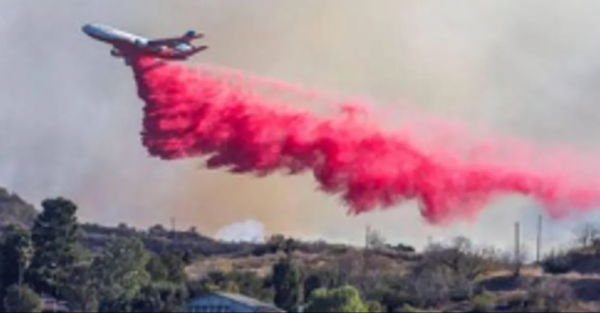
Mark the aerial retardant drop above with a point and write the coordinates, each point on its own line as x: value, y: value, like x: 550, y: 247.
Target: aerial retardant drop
x: 249, y: 126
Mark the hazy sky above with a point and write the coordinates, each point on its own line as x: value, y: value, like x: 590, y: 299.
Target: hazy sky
x: 71, y: 118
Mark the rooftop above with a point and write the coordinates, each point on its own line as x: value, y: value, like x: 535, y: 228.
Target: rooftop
x: 259, y: 305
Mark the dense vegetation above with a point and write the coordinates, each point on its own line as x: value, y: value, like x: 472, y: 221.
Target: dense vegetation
x: 95, y: 268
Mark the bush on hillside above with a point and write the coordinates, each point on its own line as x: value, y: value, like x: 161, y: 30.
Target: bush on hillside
x: 557, y: 263
x: 484, y: 302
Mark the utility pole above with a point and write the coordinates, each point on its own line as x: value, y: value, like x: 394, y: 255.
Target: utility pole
x: 367, y: 237
x: 517, y: 249
x: 173, y: 234
x: 365, y: 253
x: 539, y: 240
x: 173, y: 224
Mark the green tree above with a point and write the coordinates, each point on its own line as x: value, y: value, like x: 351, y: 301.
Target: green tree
x: 56, y: 249
x: 2, y: 285
x: 187, y: 257
x: 286, y: 282
x: 80, y: 291
x: 312, y: 283
x: 160, y: 297
x: 120, y: 272
x: 21, y: 299
x: 116, y: 302
x: 157, y: 269
x: 276, y: 243
x: 344, y: 299
x: 175, y: 268
x: 167, y: 267
x: 17, y: 252
x: 157, y: 230
x: 250, y: 284
x: 375, y: 307
x: 214, y: 281
x: 290, y: 246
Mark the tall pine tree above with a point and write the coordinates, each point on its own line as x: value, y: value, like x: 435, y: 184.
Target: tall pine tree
x: 17, y: 252
x: 55, y: 235
x: 286, y: 282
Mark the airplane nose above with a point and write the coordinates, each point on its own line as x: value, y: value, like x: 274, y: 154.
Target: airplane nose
x: 86, y: 28
x: 90, y: 29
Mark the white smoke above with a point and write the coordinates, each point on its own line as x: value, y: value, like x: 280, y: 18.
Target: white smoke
x: 248, y: 231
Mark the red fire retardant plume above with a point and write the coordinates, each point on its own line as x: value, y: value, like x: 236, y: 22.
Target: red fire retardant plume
x: 192, y: 113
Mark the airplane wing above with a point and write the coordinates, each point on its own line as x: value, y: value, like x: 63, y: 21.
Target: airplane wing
x: 175, y: 55
x: 174, y: 41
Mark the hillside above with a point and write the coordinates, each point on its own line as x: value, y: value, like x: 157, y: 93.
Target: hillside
x: 157, y: 240
x: 454, y: 278
x: 14, y: 210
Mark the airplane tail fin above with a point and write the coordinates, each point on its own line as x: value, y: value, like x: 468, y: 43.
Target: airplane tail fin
x: 192, y: 34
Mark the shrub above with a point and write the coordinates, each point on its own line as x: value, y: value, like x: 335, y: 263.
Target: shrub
x: 485, y: 302
x: 548, y: 296
x: 407, y: 308
x: 557, y: 263
x: 374, y: 307
x: 21, y: 299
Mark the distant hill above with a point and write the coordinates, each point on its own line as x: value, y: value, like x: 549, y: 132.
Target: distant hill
x: 157, y: 239
x: 14, y: 210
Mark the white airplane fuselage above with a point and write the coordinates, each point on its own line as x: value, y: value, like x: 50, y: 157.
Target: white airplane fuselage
x: 114, y: 36
x: 176, y: 48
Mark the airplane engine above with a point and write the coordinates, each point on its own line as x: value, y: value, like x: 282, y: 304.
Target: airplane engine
x: 115, y: 53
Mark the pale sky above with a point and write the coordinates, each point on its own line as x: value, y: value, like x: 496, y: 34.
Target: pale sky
x: 71, y: 119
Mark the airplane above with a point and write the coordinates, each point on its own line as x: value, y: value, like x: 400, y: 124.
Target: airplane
x: 176, y: 48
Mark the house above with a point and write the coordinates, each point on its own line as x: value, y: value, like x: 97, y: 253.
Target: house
x: 228, y: 302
